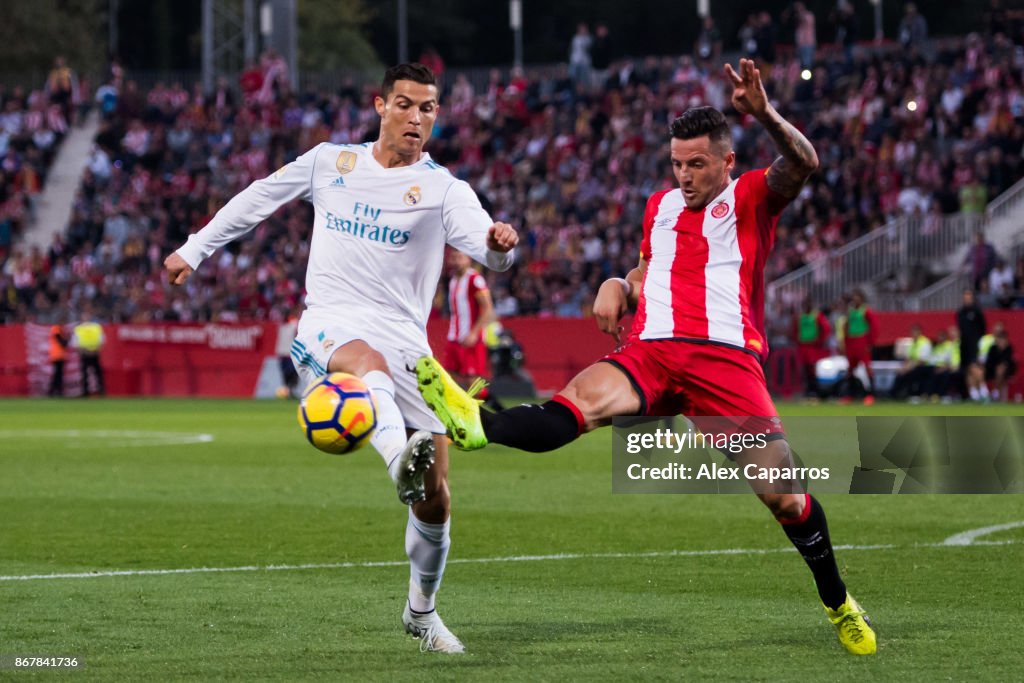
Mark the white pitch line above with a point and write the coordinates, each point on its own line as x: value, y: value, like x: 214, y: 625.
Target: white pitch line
x: 968, y: 537
x: 471, y: 560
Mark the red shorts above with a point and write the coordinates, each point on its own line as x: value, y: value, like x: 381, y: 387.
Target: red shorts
x: 858, y: 351
x: 466, y: 360
x: 699, y: 380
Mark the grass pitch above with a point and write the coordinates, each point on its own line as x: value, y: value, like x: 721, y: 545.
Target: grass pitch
x: 550, y: 578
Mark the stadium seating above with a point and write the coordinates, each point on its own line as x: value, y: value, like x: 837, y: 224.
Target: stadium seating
x: 571, y: 166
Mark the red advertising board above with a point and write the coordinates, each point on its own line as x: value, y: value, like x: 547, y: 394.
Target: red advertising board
x: 165, y: 359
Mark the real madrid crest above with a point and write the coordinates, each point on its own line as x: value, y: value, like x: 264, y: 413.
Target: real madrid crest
x: 413, y: 196
x: 346, y: 162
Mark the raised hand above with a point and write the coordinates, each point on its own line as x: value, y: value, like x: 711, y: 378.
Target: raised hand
x: 748, y: 94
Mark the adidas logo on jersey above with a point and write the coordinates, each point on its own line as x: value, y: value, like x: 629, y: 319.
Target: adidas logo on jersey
x: 338, y: 182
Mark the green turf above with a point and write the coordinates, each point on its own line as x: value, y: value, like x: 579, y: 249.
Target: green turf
x: 258, y: 495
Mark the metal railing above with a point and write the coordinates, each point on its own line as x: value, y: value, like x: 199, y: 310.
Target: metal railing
x: 947, y: 292
x: 940, y: 295
x: 891, y: 251
x: 826, y: 279
x: 1006, y: 202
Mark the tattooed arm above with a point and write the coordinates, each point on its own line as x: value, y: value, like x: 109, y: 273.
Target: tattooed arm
x: 799, y: 160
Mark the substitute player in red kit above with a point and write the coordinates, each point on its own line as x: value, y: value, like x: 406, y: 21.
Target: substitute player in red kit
x: 469, y: 302
x: 697, y: 341
x: 472, y: 310
x: 859, y: 342
x: 811, y: 330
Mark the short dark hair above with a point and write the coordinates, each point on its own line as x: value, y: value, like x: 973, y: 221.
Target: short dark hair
x: 415, y: 72
x: 700, y: 121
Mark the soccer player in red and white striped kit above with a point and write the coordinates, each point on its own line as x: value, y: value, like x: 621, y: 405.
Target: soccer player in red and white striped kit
x: 472, y: 310
x: 698, y: 336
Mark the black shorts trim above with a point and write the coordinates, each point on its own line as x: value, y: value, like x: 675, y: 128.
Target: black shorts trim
x: 632, y: 380
x: 706, y: 342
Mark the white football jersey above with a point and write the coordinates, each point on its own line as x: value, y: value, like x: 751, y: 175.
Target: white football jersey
x: 378, y: 235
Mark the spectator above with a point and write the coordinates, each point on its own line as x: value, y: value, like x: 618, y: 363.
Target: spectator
x: 977, y: 388
x: 973, y: 197
x: 845, y: 19
x: 970, y: 322
x: 433, y: 60
x: 601, y: 55
x: 87, y: 337
x: 945, y: 363
x: 748, y: 37
x: 283, y: 347
x: 106, y: 97
x: 766, y: 36
x: 917, y: 369
x: 913, y: 30
x: 709, y: 42
x: 1000, y: 365
x: 1000, y: 283
x: 981, y: 258
x: 61, y: 85
x: 57, y: 353
x: 579, y: 55
x: 806, y: 37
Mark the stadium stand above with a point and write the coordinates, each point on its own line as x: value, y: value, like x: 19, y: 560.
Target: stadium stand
x: 899, y: 132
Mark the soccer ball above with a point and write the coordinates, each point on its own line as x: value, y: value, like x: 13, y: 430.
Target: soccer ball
x: 338, y: 413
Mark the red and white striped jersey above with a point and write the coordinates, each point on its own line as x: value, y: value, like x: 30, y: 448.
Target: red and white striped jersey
x: 462, y: 301
x: 705, y: 270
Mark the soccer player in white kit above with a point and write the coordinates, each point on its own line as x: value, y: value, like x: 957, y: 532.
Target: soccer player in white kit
x: 383, y: 214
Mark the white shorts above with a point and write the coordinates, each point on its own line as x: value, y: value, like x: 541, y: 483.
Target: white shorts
x: 312, y: 350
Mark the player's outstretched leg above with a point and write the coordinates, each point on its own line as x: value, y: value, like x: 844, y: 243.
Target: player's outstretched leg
x: 411, y: 467
x: 457, y: 408
x: 808, y: 532
x: 599, y: 391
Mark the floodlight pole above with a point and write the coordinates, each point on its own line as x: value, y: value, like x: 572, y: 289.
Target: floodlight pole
x: 515, y: 22
x: 403, y: 33
x: 112, y: 26
x: 207, y: 60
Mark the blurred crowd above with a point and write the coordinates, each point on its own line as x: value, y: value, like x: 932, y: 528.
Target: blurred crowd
x: 568, y: 154
x: 32, y: 126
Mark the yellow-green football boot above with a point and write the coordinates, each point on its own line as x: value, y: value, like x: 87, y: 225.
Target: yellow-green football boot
x: 853, y: 627
x: 456, y: 407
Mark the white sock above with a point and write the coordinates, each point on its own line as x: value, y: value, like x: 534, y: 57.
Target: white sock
x: 389, y: 437
x: 975, y: 394
x: 427, y: 547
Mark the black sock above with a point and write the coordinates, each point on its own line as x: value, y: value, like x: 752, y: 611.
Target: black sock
x: 812, y: 541
x: 534, y: 428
